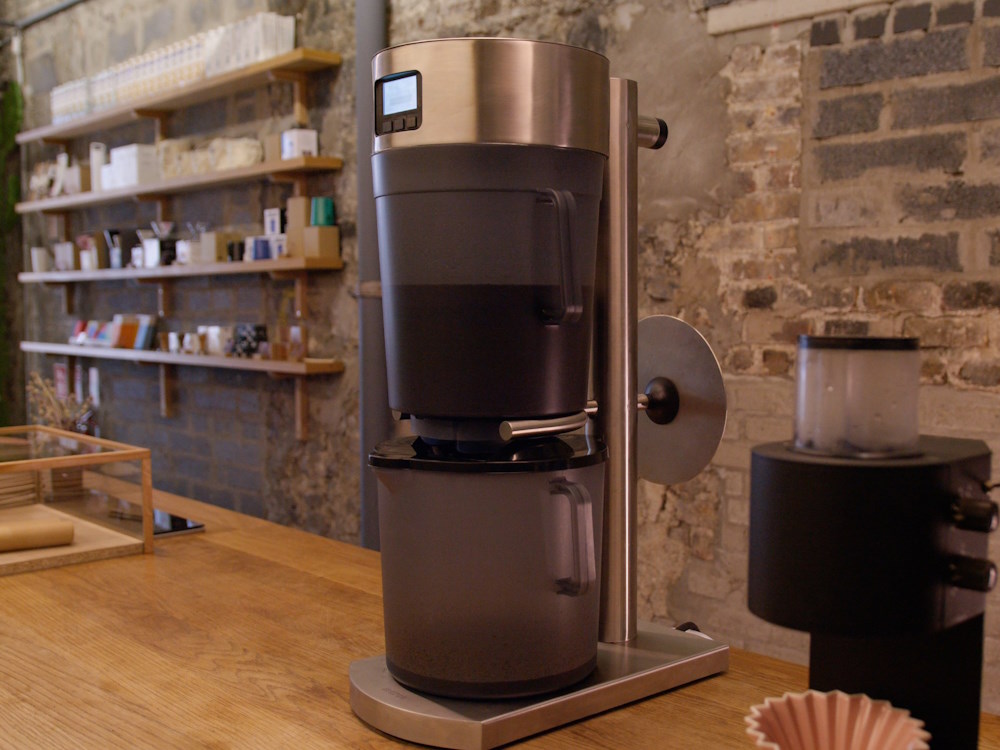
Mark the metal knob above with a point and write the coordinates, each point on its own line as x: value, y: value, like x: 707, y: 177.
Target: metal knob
x: 663, y: 401
x: 972, y: 573
x: 651, y: 132
x: 975, y: 514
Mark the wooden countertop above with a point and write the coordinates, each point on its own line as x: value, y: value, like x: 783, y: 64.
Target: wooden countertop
x: 242, y: 636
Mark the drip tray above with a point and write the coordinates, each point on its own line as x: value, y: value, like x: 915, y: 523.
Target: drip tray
x: 658, y: 659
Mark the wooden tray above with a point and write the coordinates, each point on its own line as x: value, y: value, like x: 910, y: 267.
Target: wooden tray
x: 90, y: 542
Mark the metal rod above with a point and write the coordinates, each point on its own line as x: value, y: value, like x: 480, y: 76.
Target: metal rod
x: 641, y: 404
x: 651, y: 132
x: 514, y: 428
x: 371, y: 35
x: 616, y: 368
x: 41, y: 15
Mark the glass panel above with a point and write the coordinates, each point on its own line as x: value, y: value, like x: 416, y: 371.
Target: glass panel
x: 33, y: 444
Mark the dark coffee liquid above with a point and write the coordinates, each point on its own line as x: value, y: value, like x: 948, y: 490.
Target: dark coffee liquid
x: 484, y: 351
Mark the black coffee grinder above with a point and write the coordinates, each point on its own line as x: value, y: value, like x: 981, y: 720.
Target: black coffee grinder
x: 873, y: 538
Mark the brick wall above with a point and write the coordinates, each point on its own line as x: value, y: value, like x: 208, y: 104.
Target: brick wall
x: 900, y: 175
x: 884, y: 122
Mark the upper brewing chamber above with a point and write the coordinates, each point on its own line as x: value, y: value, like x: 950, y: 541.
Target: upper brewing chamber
x: 857, y: 397
x: 488, y: 166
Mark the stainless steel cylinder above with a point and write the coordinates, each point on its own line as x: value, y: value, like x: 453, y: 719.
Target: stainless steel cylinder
x: 488, y: 90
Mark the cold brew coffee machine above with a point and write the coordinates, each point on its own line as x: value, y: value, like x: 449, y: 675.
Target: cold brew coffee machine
x: 505, y: 182
x: 873, y: 538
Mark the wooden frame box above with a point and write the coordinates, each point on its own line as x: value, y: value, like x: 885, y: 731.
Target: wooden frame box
x: 103, y: 487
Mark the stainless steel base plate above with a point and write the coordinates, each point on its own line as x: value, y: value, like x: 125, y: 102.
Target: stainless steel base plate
x: 658, y: 659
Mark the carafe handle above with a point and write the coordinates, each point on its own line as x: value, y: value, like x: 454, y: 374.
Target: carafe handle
x: 572, y: 294
x: 582, y: 526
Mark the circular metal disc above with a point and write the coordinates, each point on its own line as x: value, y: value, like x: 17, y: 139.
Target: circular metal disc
x: 676, y: 452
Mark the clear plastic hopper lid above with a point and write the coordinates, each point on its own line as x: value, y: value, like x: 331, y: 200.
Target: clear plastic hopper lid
x: 857, y: 397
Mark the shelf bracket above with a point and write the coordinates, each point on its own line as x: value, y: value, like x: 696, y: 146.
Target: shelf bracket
x: 297, y: 181
x: 301, y: 410
x: 301, y: 296
x: 301, y: 279
x: 162, y: 300
x: 71, y: 374
x: 159, y: 118
x: 298, y: 81
x: 162, y: 208
x: 69, y: 298
x: 167, y: 374
x: 162, y: 295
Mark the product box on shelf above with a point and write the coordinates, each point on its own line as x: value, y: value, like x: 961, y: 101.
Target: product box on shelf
x: 299, y: 142
x: 279, y: 245
x: 145, y: 331
x: 250, y: 40
x: 98, y: 158
x: 296, y: 220
x: 297, y: 210
x: 287, y: 342
x: 212, y: 248
x: 126, y: 328
x: 76, y: 179
x: 40, y: 259
x: 152, y: 251
x: 272, y: 148
x: 134, y: 164
x: 260, y: 248
x: 321, y: 242
x: 67, y: 257
x: 273, y: 223
x: 70, y: 100
x: 185, y: 249
x: 93, y: 252
x: 108, y: 177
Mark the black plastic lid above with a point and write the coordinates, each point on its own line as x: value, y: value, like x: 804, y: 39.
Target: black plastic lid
x: 526, y: 455
x: 859, y: 342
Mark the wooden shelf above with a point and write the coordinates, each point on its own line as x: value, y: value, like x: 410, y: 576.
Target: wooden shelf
x: 293, y: 67
x: 146, y: 356
x: 275, y: 368
x: 292, y: 64
x: 156, y: 190
x: 279, y: 267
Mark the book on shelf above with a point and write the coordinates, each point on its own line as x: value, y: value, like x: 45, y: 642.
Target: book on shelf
x: 145, y: 332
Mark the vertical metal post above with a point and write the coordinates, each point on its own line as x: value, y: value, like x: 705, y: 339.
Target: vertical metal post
x: 616, y: 365
x: 371, y: 35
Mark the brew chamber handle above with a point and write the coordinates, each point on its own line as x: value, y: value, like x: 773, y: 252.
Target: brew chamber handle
x: 582, y: 531
x: 570, y: 291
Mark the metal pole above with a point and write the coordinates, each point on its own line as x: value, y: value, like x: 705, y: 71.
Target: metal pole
x: 616, y: 365
x: 376, y: 419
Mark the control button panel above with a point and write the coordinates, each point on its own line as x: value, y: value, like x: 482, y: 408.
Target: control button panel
x: 398, y: 103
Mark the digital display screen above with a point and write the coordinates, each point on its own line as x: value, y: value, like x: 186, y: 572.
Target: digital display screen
x: 399, y: 95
